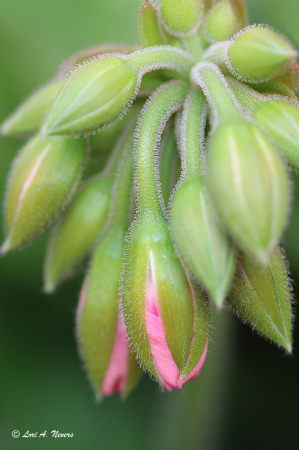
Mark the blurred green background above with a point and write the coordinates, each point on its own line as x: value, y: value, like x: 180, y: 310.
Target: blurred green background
x: 247, y: 394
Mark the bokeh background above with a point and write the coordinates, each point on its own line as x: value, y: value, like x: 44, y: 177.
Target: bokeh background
x: 247, y: 394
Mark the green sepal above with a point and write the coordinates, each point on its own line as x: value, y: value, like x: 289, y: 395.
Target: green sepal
x: 149, y: 253
x: 98, y: 309
x: 43, y: 178
x: 77, y: 232
x: 30, y: 114
x: 258, y: 54
x: 280, y: 120
x: 262, y: 296
x: 149, y: 29
x: 277, y: 117
x: 201, y: 242
x: 201, y: 327
x: 222, y: 22
x: 249, y: 186
x: 98, y: 314
x: 94, y: 95
x: 181, y: 17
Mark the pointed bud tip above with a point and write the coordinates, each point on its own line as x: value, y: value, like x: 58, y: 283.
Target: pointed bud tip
x: 5, y: 247
x: 49, y: 287
x: 289, y: 348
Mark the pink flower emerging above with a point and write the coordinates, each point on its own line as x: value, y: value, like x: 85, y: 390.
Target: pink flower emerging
x: 163, y: 359
x: 116, y: 375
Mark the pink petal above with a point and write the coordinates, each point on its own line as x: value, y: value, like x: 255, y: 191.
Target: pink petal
x: 195, y: 372
x: 116, y: 375
x: 163, y: 360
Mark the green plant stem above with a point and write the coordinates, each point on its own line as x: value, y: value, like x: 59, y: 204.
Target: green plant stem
x: 167, y: 100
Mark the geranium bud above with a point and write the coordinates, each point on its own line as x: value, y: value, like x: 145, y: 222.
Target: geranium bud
x: 202, y: 244
x: 43, y: 178
x: 163, y: 311
x: 94, y: 95
x: 30, y: 114
x: 149, y: 26
x: 249, y: 185
x: 262, y: 297
x: 100, y: 92
x: 75, y: 234
x: 101, y: 330
x: 222, y: 22
x: 248, y: 181
x: 166, y: 317
x: 84, y: 221
x: 258, y: 54
x: 280, y: 120
x: 181, y: 17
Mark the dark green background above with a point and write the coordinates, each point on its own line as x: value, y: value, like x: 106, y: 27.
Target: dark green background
x: 247, y: 395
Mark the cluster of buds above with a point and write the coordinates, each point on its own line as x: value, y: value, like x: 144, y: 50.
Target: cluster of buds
x: 206, y: 149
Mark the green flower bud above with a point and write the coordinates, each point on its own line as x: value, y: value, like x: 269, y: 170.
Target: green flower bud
x: 222, y: 22
x: 280, y: 120
x: 249, y: 185
x: 94, y: 95
x: 84, y: 221
x: 258, y: 54
x: 101, y: 331
x: 181, y: 17
x: 152, y: 268
x: 30, y: 114
x: 73, y: 237
x: 100, y: 92
x: 42, y: 180
x: 262, y: 296
x: 149, y: 26
x: 201, y: 242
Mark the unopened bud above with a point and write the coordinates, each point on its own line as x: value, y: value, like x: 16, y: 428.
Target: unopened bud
x: 181, y: 17
x: 42, y: 180
x: 201, y: 242
x: 280, y: 120
x: 258, y: 54
x: 262, y: 297
x: 222, y: 22
x: 249, y: 185
x: 167, y: 319
x: 30, y: 114
x: 74, y: 236
x: 94, y: 95
x: 101, y: 330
